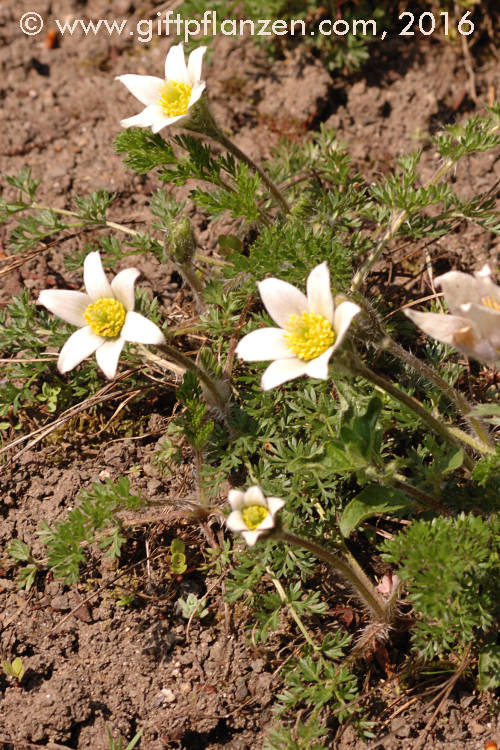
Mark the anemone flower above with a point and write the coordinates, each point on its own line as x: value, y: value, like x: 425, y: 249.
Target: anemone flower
x: 168, y: 100
x: 104, y: 315
x: 311, y: 329
x: 474, y: 324
x: 253, y: 513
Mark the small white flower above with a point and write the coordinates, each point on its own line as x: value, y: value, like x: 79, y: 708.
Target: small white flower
x: 474, y: 324
x: 253, y: 513
x: 310, y: 329
x: 104, y: 315
x: 168, y: 99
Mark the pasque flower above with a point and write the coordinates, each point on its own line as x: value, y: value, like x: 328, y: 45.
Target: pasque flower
x: 104, y: 315
x: 310, y: 329
x: 474, y: 324
x: 167, y: 100
x: 253, y: 513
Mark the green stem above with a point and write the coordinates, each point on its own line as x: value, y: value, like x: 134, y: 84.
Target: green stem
x: 350, y: 570
x: 202, y: 121
x: 453, y: 395
x: 358, y: 368
x: 271, y: 186
x: 74, y: 214
x: 282, y: 595
x: 218, y: 399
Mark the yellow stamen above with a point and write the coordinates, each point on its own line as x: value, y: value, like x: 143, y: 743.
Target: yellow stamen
x: 174, y: 98
x: 105, y: 317
x: 490, y: 302
x: 253, y: 515
x: 309, y: 335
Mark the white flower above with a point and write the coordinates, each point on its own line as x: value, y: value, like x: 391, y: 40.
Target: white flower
x: 253, y: 513
x: 310, y: 329
x: 168, y: 99
x: 474, y: 324
x: 104, y: 315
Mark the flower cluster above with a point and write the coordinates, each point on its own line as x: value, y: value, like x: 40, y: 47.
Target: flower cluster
x: 474, y: 324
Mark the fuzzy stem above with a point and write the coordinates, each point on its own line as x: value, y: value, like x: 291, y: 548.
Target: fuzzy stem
x: 451, y: 393
x: 202, y: 121
x: 218, y: 399
x: 348, y: 569
x: 358, y: 368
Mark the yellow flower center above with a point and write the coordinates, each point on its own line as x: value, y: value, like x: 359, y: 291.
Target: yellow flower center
x: 105, y: 317
x: 309, y: 335
x: 253, y: 515
x: 490, y: 302
x: 174, y: 98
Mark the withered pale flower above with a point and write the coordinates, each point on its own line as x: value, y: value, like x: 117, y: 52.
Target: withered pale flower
x: 167, y: 100
x: 473, y: 327
x: 104, y: 315
x: 311, y: 328
x: 252, y: 513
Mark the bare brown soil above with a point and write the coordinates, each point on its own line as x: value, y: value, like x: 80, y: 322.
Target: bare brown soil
x: 91, y: 662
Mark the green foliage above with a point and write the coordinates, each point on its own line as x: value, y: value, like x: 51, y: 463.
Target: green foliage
x: 452, y: 568
x: 191, y: 606
x: 94, y: 520
x: 14, y: 668
x: 178, y: 557
x: 113, y: 745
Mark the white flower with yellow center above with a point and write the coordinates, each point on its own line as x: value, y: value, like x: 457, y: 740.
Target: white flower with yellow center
x: 310, y: 329
x: 168, y: 99
x: 104, y: 315
x: 474, y: 324
x: 253, y: 513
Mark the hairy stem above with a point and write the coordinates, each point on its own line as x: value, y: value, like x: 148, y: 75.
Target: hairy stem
x: 451, y: 393
x: 358, y: 368
x: 350, y: 570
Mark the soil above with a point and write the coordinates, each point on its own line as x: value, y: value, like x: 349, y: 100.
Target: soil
x: 90, y: 661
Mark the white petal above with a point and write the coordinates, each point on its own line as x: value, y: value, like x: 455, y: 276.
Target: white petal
x: 344, y: 314
x: 267, y: 523
x: 195, y: 62
x: 149, y: 116
x: 123, y: 287
x: 108, y: 355
x: 440, y: 327
x: 175, y: 65
x: 282, y: 370
x: 275, y: 504
x: 96, y: 283
x: 486, y: 320
x: 251, y: 537
x: 236, y: 499
x: 281, y: 300
x: 319, y: 293
x: 262, y: 344
x: 318, y: 367
x: 80, y: 345
x: 144, y: 88
x: 458, y: 288
x: 66, y: 304
x: 255, y: 496
x: 235, y: 521
x: 196, y: 92
x: 139, y: 329
x: 162, y: 121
